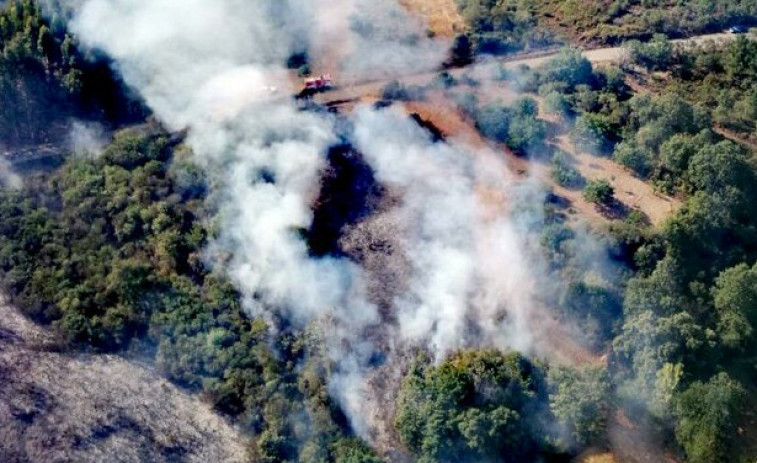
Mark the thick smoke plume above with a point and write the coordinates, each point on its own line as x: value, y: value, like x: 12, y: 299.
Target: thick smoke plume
x: 217, y: 69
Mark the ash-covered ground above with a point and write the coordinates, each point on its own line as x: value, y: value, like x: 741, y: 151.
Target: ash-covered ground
x: 57, y: 407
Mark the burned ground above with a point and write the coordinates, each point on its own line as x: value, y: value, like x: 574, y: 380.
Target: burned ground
x: 62, y: 407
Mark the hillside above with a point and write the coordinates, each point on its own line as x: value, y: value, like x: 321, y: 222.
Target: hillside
x: 58, y: 406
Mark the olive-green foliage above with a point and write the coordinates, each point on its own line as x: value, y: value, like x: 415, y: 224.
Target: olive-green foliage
x: 109, y: 250
x: 708, y: 415
x: 556, y: 103
x: 570, y: 68
x: 735, y: 299
x: 722, y: 78
x: 475, y: 406
x: 580, y: 401
x: 630, y: 155
x: 655, y: 55
x: 599, y: 192
x: 503, y: 26
x: 516, y: 126
x: 564, y: 171
x: 614, y: 20
x: 654, y: 136
x: 592, y: 133
x: 692, y: 316
x: 596, y: 308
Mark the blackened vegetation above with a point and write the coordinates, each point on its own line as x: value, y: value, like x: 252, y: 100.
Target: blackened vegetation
x: 349, y: 192
x: 45, y: 81
x: 433, y: 130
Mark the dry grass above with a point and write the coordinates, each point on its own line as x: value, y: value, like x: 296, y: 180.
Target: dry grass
x: 441, y: 16
x: 596, y: 457
x: 629, y: 190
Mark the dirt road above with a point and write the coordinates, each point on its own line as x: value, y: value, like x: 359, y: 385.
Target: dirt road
x: 631, y: 191
x: 486, y: 69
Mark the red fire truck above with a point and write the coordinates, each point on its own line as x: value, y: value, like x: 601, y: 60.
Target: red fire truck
x: 319, y: 83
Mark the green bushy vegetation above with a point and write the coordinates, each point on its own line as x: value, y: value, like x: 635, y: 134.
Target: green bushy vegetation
x: 720, y: 78
x: 684, y: 349
x: 476, y: 406
x: 616, y: 20
x: 503, y: 26
x: 564, y: 172
x: 517, y: 125
x: 108, y: 250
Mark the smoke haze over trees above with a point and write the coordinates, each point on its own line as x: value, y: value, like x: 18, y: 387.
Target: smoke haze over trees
x: 357, y: 287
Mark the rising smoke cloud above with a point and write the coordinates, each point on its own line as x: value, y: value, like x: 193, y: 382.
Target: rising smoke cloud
x: 216, y: 68
x: 8, y: 178
x: 87, y: 138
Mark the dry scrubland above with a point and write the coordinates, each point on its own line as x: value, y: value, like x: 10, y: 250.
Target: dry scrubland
x: 441, y: 16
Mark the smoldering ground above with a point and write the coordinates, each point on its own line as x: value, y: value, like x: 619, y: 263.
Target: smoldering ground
x: 217, y: 69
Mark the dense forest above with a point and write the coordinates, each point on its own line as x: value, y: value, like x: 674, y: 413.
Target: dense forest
x: 685, y: 352
x: 109, y: 250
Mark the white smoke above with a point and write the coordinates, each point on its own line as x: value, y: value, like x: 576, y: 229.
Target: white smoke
x: 8, y: 178
x: 87, y: 138
x: 216, y: 68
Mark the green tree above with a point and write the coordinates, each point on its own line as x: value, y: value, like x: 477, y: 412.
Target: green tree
x: 591, y: 133
x: 479, y: 405
x: 735, y: 297
x: 569, y: 67
x: 655, y: 55
x: 556, y: 103
x: 599, y: 192
x: 564, y: 171
x: 580, y: 400
x: 708, y: 414
x: 630, y: 155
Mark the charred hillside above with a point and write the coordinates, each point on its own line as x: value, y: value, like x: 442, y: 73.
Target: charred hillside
x: 70, y: 407
x: 47, y: 82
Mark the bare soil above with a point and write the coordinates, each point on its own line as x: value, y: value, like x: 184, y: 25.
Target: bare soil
x: 630, y: 191
x: 60, y: 407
